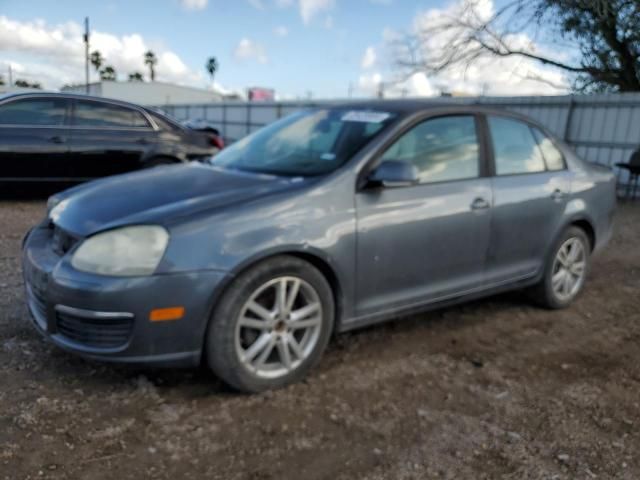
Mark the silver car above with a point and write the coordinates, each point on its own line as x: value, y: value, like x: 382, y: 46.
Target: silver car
x: 327, y: 220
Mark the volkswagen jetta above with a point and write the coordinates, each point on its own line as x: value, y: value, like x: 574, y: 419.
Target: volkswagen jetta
x: 327, y: 220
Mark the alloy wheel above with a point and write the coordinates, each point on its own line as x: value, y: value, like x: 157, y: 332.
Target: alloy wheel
x: 278, y: 327
x: 569, y: 269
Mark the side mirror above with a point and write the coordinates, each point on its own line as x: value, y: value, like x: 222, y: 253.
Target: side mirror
x: 394, y: 173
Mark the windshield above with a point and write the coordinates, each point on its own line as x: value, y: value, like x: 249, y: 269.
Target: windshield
x: 311, y: 142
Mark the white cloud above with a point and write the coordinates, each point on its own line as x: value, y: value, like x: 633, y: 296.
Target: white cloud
x: 488, y: 75
x: 417, y: 85
x: 390, y: 35
x: 369, y: 58
x: 194, y: 4
x: 281, y: 31
x: 369, y: 83
x: 311, y: 8
x: 54, y: 54
x: 257, y: 4
x: 247, y: 49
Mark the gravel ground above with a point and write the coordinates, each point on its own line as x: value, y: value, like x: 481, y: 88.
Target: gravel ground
x: 494, y: 389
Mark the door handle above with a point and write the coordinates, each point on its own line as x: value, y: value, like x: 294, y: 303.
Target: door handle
x: 557, y: 195
x: 56, y: 139
x: 479, y: 204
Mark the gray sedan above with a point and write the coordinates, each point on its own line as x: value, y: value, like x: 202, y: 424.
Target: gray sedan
x: 327, y: 220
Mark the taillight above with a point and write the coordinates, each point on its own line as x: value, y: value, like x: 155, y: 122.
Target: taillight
x: 216, y: 141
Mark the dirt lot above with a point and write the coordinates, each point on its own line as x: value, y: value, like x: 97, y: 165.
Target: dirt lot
x: 493, y: 389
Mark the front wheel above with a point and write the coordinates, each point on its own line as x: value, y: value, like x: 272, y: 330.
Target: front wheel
x: 271, y: 325
x: 565, y: 271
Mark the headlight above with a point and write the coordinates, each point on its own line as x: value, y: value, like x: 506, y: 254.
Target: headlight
x: 127, y: 251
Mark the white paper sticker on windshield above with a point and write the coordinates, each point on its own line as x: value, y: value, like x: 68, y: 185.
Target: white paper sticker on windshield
x: 364, y: 116
x: 328, y: 156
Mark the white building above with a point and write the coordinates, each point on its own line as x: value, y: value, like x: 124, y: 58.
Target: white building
x: 147, y: 93
x: 6, y: 89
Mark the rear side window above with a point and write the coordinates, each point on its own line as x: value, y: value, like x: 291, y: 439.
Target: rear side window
x: 34, y: 111
x: 514, y: 148
x: 164, y: 123
x: 96, y: 114
x: 442, y: 149
x: 552, y: 156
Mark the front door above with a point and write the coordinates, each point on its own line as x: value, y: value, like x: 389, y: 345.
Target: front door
x: 34, y: 139
x: 426, y: 242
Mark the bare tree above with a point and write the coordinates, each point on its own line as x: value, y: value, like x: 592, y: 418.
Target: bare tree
x: 595, y: 42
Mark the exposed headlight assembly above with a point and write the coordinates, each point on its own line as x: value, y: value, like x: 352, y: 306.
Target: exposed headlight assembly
x: 128, y: 251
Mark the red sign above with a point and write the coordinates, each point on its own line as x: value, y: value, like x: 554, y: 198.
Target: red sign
x: 257, y: 94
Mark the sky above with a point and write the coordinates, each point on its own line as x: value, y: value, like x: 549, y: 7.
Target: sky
x: 300, y: 48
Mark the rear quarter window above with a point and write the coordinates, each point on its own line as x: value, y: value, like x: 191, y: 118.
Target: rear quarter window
x: 552, y: 155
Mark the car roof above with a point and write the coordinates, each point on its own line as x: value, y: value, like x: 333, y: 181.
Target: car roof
x: 415, y: 105
x: 436, y: 105
x: 78, y: 96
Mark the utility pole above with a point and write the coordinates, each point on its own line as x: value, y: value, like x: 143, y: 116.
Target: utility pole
x: 10, y: 76
x: 86, y: 53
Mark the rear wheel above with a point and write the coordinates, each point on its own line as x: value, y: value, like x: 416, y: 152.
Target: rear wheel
x: 565, y: 271
x: 271, y: 325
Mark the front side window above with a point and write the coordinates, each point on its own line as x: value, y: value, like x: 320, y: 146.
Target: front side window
x: 34, y: 111
x: 96, y: 114
x: 514, y: 149
x: 442, y: 149
x: 552, y: 156
x: 307, y: 143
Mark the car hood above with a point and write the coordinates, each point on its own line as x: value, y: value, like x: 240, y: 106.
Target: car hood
x: 159, y: 195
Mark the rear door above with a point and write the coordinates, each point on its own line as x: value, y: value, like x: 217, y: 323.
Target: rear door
x: 530, y: 189
x: 34, y: 138
x: 429, y: 241
x: 107, y: 139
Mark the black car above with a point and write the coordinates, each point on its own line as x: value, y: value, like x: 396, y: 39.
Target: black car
x: 63, y: 137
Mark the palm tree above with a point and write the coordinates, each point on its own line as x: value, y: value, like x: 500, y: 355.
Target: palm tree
x: 136, y: 77
x: 212, y: 67
x: 108, y: 73
x: 97, y: 60
x: 151, y: 61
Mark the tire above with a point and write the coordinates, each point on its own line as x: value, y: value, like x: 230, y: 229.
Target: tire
x: 238, y: 329
x: 562, y: 294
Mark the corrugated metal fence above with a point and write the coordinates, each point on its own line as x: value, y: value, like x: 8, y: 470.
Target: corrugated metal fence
x: 603, y: 129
